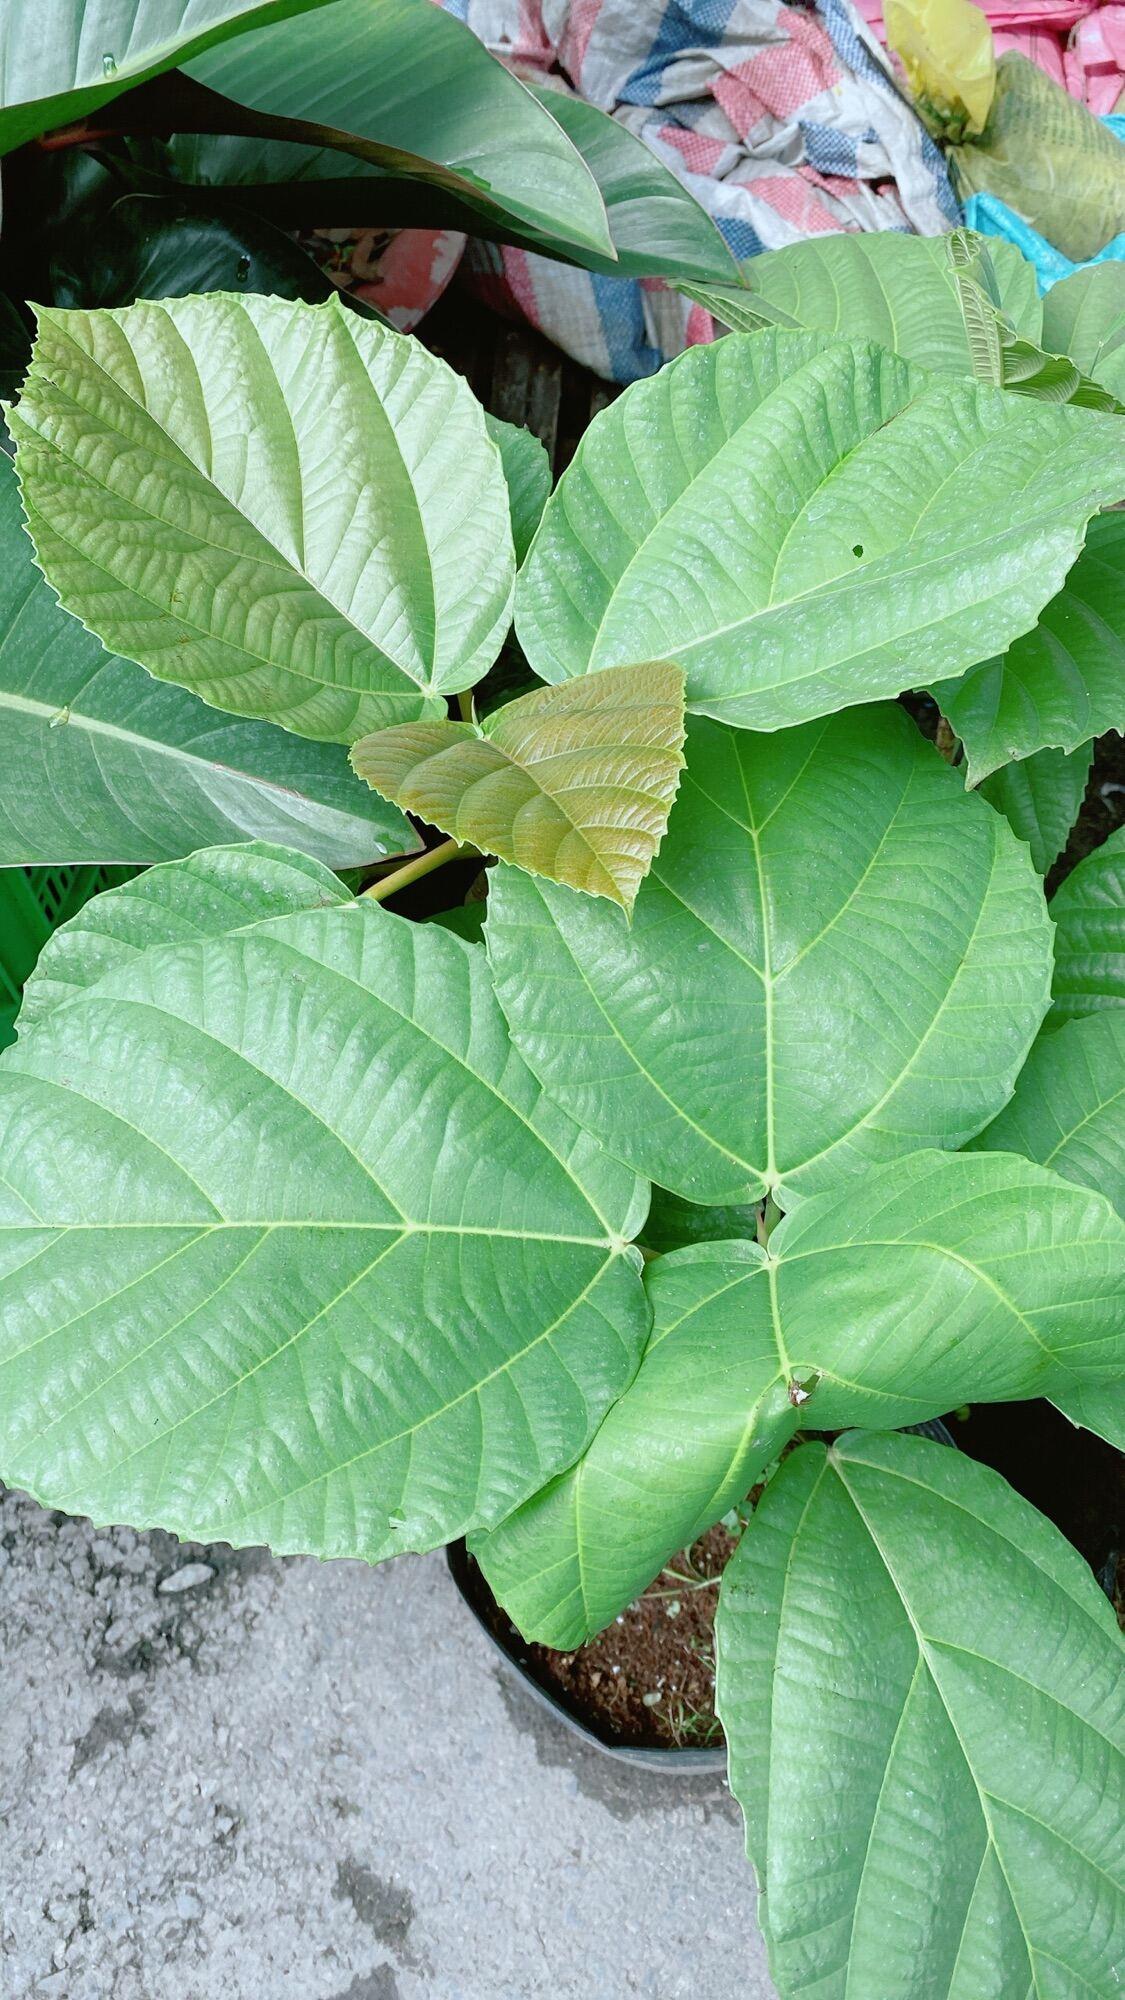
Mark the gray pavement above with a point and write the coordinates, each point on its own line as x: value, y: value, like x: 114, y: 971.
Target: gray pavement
x: 225, y: 1777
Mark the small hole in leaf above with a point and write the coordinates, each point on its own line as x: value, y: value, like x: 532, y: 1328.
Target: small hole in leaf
x: 858, y: 549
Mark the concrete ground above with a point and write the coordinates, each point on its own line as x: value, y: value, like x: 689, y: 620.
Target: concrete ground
x: 225, y: 1777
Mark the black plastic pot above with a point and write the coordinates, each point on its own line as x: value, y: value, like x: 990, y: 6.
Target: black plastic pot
x: 516, y: 1660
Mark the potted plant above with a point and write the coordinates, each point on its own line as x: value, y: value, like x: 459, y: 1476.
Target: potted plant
x: 324, y: 1227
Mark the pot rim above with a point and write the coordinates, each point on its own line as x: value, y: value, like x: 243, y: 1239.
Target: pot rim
x: 682, y: 1758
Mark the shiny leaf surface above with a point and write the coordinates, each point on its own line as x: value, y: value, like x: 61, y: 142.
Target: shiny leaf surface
x: 809, y: 882
x: 932, y: 1279
x: 292, y: 1249
x: 802, y: 524
x: 921, y: 1686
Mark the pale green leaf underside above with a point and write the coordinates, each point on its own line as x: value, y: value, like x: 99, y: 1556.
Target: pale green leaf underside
x: 61, y: 59
x: 1059, y: 684
x: 1040, y: 798
x: 527, y: 470
x: 291, y: 1248
x: 1089, y: 917
x: 936, y: 1278
x: 293, y: 512
x: 888, y: 288
x: 804, y: 523
x: 921, y: 1687
x: 808, y: 882
x: 573, y: 783
x: 102, y: 763
x: 411, y: 89
x: 1084, y: 316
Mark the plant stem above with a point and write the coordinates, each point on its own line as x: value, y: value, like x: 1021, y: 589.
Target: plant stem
x: 412, y: 871
x: 465, y: 704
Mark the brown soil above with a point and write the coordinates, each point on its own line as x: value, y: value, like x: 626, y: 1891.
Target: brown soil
x: 648, y: 1680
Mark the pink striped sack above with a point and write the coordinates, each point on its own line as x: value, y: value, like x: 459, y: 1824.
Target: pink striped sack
x: 783, y: 120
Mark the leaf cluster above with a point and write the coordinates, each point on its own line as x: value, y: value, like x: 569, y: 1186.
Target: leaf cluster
x: 323, y: 1227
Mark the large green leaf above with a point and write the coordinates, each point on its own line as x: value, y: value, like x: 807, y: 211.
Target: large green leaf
x: 884, y: 287
x: 1089, y: 915
x: 209, y: 894
x: 885, y: 1303
x: 1040, y: 798
x: 658, y: 228
x: 407, y: 88
x: 1084, y: 316
x: 803, y: 523
x: 62, y: 59
x: 1059, y: 684
x: 293, y: 1248
x: 836, y: 957
x: 922, y: 1690
x: 99, y: 762
x: 572, y: 783
x: 1068, y: 1111
x: 295, y: 513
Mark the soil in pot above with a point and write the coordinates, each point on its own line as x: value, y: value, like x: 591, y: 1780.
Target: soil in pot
x: 648, y: 1681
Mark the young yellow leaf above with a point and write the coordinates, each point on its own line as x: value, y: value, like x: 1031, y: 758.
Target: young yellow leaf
x: 573, y: 782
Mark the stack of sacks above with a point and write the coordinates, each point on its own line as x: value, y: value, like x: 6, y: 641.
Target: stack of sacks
x: 783, y: 120
x: 1079, y: 44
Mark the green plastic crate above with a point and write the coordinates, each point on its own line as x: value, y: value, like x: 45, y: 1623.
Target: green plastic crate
x: 33, y: 903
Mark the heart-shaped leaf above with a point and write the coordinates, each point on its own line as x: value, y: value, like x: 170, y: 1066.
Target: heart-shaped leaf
x: 837, y: 956
x: 103, y: 763
x: 1089, y: 916
x: 803, y: 523
x: 303, y: 1254
x: 921, y: 1688
x: 939, y: 1277
x: 1059, y: 684
x: 62, y: 59
x: 293, y: 512
x: 1040, y: 798
x: 573, y: 783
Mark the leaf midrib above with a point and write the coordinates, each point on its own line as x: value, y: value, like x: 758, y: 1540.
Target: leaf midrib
x: 161, y: 747
x: 185, y: 463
